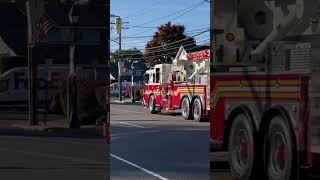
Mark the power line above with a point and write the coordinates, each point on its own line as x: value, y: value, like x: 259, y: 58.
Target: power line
x: 146, y: 11
x: 171, y: 49
x: 181, y: 40
x: 139, y: 37
x: 177, y: 12
x: 158, y: 55
x: 193, y: 31
x: 172, y: 18
x: 144, y: 42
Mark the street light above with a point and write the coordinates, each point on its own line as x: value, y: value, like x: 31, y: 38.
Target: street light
x: 74, y: 16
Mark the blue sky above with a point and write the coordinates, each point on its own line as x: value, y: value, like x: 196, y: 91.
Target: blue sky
x: 141, y: 12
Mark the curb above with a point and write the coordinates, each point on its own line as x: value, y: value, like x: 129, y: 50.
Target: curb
x: 125, y: 103
x: 32, y: 128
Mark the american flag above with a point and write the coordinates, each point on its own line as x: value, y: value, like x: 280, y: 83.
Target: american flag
x: 46, y: 23
x: 122, y: 70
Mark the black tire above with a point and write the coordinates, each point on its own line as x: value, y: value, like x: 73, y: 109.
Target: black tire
x: 197, y: 110
x: 241, y: 148
x: 186, y: 109
x: 278, y: 151
x: 152, y: 105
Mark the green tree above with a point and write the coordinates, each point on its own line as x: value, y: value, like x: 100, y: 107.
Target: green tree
x: 165, y: 43
x: 127, y: 54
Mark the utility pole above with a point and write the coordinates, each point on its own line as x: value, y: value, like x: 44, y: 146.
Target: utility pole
x: 32, y: 8
x: 119, y: 67
x: 118, y: 27
x: 74, y: 16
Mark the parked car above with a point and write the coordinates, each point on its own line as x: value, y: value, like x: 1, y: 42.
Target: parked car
x: 114, y: 88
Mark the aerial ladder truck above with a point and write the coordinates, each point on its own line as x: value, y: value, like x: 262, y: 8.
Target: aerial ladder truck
x: 181, y: 85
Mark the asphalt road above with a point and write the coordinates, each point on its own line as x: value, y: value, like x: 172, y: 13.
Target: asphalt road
x: 161, y: 146
x: 221, y: 171
x: 220, y: 167
x: 60, y: 154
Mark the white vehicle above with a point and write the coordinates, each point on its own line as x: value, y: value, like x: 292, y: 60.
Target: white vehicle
x: 114, y: 88
x: 14, y: 82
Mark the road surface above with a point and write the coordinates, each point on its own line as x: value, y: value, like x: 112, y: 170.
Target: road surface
x: 60, y: 154
x: 161, y: 146
x: 221, y: 170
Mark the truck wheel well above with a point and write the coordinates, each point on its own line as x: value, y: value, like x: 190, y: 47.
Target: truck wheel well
x: 231, y: 117
x: 195, y: 97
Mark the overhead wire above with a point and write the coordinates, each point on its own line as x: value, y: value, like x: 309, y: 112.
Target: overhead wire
x: 181, y: 40
x: 178, y: 45
x: 171, y: 49
x: 147, y: 10
x: 173, y: 53
x: 176, y: 12
x: 188, y: 9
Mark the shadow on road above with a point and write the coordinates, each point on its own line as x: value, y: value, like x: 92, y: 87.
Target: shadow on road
x: 89, y: 133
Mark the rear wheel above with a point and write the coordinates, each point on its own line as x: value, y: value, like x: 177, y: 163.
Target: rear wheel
x: 152, y: 104
x: 278, y: 150
x: 197, y: 110
x: 185, y: 109
x: 241, y: 148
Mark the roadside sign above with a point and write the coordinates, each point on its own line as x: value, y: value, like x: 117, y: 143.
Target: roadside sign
x: 204, y: 54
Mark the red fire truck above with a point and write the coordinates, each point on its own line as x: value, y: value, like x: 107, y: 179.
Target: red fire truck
x: 265, y: 87
x: 180, y: 85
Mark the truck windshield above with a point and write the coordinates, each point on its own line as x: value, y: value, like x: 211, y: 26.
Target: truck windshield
x: 146, y: 78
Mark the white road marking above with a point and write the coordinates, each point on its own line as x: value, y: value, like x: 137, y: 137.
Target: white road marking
x: 139, y: 167
x: 131, y: 124
x: 52, y: 156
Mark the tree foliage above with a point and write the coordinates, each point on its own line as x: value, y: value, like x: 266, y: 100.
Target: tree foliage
x: 128, y: 54
x: 163, y: 47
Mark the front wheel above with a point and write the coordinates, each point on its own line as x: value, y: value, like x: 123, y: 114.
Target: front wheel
x: 241, y: 148
x: 278, y: 151
x: 152, y: 104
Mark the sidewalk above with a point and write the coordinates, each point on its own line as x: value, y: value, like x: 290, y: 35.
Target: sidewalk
x: 124, y: 101
x: 56, y: 125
